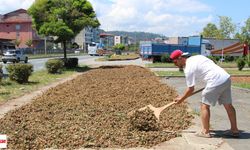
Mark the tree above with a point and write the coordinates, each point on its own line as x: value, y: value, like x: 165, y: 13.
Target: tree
x: 245, y: 32
x: 62, y: 19
x: 210, y: 31
x: 227, y: 28
x: 17, y: 42
x: 29, y: 43
x: 119, y: 47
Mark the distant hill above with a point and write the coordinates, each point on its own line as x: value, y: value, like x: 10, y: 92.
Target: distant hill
x: 137, y: 36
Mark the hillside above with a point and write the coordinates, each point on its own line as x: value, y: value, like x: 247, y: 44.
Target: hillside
x: 138, y: 36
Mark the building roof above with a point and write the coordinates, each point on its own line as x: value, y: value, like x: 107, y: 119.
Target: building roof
x: 105, y: 34
x: 16, y: 11
x: 17, y: 16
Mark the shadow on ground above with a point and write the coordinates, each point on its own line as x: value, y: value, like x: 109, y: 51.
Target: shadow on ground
x: 220, y: 133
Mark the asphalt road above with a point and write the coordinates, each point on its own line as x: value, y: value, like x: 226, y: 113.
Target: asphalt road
x: 39, y: 64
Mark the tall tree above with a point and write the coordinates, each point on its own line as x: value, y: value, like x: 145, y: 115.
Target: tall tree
x: 210, y: 31
x: 62, y: 19
x: 17, y: 42
x: 227, y: 28
x: 245, y: 32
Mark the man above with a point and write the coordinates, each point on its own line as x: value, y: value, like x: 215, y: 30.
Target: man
x: 218, y: 88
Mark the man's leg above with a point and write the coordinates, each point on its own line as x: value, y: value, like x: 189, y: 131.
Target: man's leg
x: 232, y: 117
x: 205, y: 117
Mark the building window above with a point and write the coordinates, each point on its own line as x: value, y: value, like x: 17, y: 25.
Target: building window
x: 18, y: 26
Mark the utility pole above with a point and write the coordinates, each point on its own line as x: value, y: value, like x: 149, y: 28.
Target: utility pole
x: 45, y: 45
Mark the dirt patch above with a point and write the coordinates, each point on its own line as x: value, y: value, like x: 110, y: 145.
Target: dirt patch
x: 240, y: 79
x: 91, y: 111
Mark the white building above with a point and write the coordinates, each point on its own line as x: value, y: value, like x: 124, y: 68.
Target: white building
x: 117, y: 40
x: 87, y: 36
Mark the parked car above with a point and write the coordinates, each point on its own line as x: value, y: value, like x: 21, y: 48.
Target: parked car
x: 14, y: 56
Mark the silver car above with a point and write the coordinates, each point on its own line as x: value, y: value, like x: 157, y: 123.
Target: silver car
x: 14, y: 56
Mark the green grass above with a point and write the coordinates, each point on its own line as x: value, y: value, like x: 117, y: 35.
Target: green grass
x: 118, y: 57
x: 169, y: 73
x: 171, y: 65
x: 161, y: 65
x: 237, y: 72
x: 10, y: 89
x: 242, y: 85
x: 227, y: 64
x: 231, y: 72
x: 36, y: 56
x: 179, y: 73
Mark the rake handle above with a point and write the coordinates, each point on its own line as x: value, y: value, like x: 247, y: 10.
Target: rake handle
x: 172, y: 103
x: 197, y: 91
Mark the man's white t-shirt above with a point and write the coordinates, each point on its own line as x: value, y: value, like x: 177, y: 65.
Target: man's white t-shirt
x: 199, y: 67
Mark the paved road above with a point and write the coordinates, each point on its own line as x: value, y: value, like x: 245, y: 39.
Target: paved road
x: 219, y: 121
x: 39, y: 64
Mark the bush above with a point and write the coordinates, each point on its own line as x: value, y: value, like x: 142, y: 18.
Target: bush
x: 20, y: 72
x: 213, y: 59
x: 229, y: 58
x: 248, y: 63
x: 54, y: 65
x: 71, y: 62
x: 241, y: 63
x: 248, y: 60
x: 119, y: 47
x: 166, y: 58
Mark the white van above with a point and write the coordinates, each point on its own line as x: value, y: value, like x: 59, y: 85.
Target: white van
x: 92, y: 49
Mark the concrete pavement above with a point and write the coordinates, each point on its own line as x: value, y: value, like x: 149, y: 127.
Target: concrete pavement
x: 219, y: 121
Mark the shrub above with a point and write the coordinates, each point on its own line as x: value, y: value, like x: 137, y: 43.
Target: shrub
x: 213, y: 59
x: 216, y: 58
x: 166, y: 58
x: 119, y: 47
x: 70, y: 62
x: 20, y: 72
x: 248, y: 63
x: 54, y: 65
x: 248, y: 60
x: 229, y: 58
x: 241, y: 63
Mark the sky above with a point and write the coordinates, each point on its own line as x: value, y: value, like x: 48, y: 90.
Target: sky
x: 165, y: 17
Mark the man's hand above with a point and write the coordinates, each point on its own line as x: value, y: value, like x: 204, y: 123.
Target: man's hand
x: 187, y: 93
x: 178, y: 100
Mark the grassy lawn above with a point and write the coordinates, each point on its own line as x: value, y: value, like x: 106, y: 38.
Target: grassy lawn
x: 231, y: 72
x: 171, y: 65
x: 237, y: 72
x: 36, y: 56
x: 10, y: 89
x: 242, y: 85
x: 161, y: 65
x: 179, y: 73
x: 118, y: 57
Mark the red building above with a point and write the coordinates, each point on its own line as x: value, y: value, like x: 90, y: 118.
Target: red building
x: 17, y: 25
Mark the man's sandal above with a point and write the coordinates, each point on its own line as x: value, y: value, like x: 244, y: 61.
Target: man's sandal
x: 204, y: 135
x: 229, y: 133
